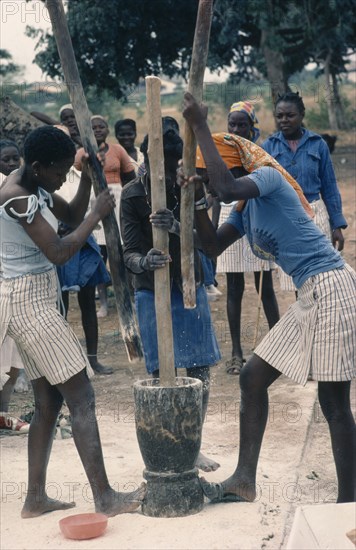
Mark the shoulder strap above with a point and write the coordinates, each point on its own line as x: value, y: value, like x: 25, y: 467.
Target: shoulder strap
x: 32, y: 206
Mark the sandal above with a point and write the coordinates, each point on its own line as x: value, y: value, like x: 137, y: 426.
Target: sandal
x: 234, y: 365
x: 14, y: 424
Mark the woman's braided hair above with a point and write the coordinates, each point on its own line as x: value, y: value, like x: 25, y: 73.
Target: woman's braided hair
x: 292, y: 97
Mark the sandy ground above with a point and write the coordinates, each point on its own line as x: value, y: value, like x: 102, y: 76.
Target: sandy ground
x: 295, y: 468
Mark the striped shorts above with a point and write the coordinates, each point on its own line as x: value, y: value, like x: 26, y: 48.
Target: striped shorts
x: 321, y: 219
x: 47, y: 344
x: 238, y: 257
x: 317, y: 334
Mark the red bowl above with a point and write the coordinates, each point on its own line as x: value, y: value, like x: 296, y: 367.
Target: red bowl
x: 83, y: 526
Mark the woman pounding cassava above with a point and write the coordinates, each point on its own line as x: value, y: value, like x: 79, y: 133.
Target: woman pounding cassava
x: 53, y: 358
x: 317, y: 334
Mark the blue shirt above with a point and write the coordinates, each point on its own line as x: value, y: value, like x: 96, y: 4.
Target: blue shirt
x: 312, y: 168
x: 278, y: 229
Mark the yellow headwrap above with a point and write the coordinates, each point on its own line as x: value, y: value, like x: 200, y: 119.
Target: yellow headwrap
x: 247, y: 108
x: 237, y: 151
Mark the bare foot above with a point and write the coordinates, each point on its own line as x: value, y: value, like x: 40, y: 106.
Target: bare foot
x: 230, y: 490
x: 102, y: 312
x: 116, y: 503
x: 35, y: 508
x: 206, y: 464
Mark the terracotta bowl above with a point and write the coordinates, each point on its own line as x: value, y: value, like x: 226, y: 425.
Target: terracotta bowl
x: 83, y: 526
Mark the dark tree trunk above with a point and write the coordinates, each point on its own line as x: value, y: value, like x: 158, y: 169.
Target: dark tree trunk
x: 339, y: 108
x: 330, y: 100
x: 275, y: 67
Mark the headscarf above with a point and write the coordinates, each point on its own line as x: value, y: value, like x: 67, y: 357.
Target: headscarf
x: 64, y: 107
x: 238, y: 151
x: 247, y: 108
x: 98, y: 116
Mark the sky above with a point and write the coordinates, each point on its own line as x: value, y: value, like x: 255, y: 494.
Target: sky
x: 15, y: 15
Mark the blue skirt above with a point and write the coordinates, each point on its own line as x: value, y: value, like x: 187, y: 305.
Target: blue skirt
x: 194, y: 340
x: 85, y: 268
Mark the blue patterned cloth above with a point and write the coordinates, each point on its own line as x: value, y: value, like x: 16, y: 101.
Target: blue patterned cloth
x: 85, y: 268
x: 194, y: 340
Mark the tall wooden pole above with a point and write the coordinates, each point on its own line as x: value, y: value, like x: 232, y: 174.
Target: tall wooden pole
x: 195, y: 87
x: 160, y: 236
x: 127, y: 319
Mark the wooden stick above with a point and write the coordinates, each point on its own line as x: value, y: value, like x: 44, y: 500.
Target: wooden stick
x: 160, y: 236
x: 195, y: 87
x: 127, y: 320
x: 258, y: 309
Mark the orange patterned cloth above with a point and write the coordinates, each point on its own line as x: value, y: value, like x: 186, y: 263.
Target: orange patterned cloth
x: 237, y: 151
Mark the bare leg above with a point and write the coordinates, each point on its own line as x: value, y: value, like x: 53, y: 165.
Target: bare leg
x: 235, y: 289
x: 203, y: 373
x: 21, y: 385
x: 86, y: 300
x: 79, y: 396
x: 48, y: 402
x: 334, y: 398
x: 269, y: 300
x: 103, y: 298
x: 7, y: 390
x: 255, y: 378
x: 102, y: 291
x: 65, y: 300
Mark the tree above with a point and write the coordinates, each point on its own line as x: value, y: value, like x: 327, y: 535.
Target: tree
x: 7, y: 66
x: 258, y: 36
x: 266, y: 37
x: 118, y: 43
x: 272, y: 38
x: 333, y: 32
x: 279, y: 38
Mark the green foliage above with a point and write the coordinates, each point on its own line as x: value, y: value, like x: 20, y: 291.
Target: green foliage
x: 117, y: 42
x: 7, y: 66
x: 318, y: 117
x: 332, y: 25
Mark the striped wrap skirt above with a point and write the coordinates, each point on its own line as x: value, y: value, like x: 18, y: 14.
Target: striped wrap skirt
x: 321, y: 219
x: 317, y: 334
x: 46, y: 343
x: 238, y: 257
